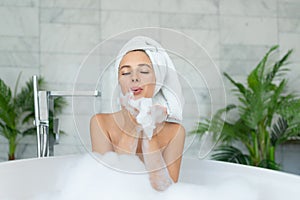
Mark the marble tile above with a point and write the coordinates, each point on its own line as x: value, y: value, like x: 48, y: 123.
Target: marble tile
x: 117, y: 41
x: 10, y: 74
x: 3, y: 151
x: 19, y: 21
x: 190, y: 6
x: 243, y: 52
x: 75, y: 69
x: 84, y: 105
x: 293, y: 77
x: 217, y: 98
x: 238, y: 67
x: 82, y: 123
x: 207, y: 39
x: 25, y: 150
x: 67, y: 150
x: 82, y: 4
x: 69, y: 16
x: 19, y: 44
x: 289, y: 9
x: 191, y: 77
x: 186, y: 52
x: 290, y: 41
x: 52, y: 60
x: 115, y: 22
x: 189, y: 21
x: 130, y: 5
x: 264, y: 8
x: 287, y: 1
x: 66, y: 124
x: 289, y: 25
x: 191, y: 111
x: 196, y: 95
x: 19, y: 59
x: 248, y: 31
x: 27, y: 3
x: 68, y: 38
x: 109, y: 48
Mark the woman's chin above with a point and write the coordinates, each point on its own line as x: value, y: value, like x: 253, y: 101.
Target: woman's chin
x: 139, y: 96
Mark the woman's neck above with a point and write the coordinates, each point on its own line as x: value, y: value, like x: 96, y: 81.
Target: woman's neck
x: 128, y: 119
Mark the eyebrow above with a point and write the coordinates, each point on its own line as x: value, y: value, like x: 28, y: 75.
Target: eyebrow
x: 140, y: 65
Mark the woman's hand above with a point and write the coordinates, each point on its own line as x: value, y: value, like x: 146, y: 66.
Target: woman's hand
x: 158, y: 113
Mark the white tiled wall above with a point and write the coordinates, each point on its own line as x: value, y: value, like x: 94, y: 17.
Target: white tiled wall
x: 52, y: 38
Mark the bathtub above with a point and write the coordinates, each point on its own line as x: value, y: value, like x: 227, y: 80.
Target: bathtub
x: 22, y: 178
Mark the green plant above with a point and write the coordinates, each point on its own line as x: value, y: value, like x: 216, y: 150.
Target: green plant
x: 17, y: 112
x: 267, y: 117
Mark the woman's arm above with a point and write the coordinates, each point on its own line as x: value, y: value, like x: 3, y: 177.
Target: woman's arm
x: 164, y: 167
x: 101, y: 142
x: 174, y: 150
x: 128, y: 143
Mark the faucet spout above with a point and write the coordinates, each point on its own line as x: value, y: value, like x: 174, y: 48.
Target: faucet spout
x: 41, y: 109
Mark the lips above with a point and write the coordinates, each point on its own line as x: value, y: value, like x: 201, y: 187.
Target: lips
x: 136, y: 90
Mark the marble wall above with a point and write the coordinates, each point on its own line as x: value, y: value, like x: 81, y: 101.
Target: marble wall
x: 51, y: 38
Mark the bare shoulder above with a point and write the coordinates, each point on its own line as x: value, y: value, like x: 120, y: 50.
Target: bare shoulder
x: 102, y: 117
x: 175, y: 127
x: 172, y: 131
x: 102, y: 120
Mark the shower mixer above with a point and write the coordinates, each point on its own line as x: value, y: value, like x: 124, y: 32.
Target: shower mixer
x: 43, y: 104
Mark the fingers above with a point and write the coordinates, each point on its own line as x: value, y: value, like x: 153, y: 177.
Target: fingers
x: 158, y: 113
x: 130, y: 104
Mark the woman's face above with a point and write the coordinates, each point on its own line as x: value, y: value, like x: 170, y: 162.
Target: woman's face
x: 136, y: 74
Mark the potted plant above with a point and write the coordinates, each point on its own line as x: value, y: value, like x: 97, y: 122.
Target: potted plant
x: 267, y: 116
x: 17, y: 112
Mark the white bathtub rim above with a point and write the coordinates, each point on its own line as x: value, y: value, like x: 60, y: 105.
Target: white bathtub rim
x: 184, y: 162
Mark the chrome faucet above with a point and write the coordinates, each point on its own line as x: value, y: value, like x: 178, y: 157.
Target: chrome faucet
x: 42, y: 101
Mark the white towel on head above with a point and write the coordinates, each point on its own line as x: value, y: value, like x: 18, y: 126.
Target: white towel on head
x: 168, y: 89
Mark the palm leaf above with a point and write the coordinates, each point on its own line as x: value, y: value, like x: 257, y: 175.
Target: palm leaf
x: 7, y: 110
x: 241, y: 88
x: 278, y: 131
x: 269, y: 164
x: 230, y: 154
x: 278, y: 67
x: 256, y: 77
x: 215, y: 125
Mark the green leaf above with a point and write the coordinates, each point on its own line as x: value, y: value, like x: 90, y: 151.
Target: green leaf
x: 256, y: 77
x: 269, y: 164
x: 241, y: 88
x: 7, y: 110
x: 17, y: 112
x: 277, y: 67
x: 267, y: 116
x: 278, y: 131
x: 230, y: 154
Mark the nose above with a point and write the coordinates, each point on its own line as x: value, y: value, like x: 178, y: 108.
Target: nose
x: 135, y: 78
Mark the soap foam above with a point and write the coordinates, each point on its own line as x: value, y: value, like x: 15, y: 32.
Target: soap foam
x: 90, y: 179
x: 147, y: 114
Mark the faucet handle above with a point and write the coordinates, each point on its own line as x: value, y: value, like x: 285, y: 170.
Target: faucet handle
x: 43, y: 107
x: 56, y: 129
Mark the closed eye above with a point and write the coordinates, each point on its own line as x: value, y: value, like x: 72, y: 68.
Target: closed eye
x: 125, y: 73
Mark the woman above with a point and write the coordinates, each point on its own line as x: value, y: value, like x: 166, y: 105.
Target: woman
x: 150, y: 130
